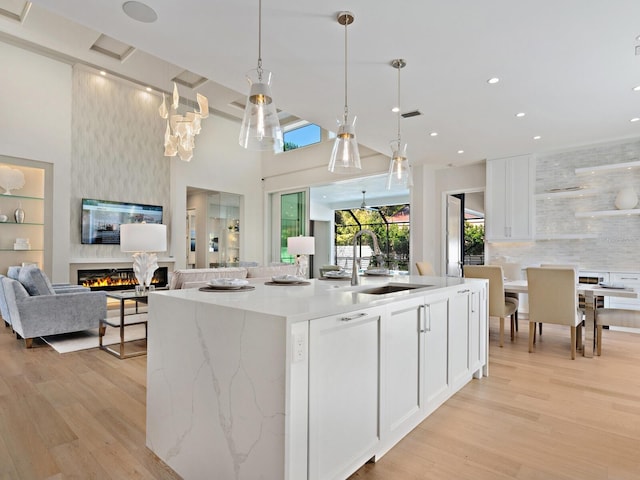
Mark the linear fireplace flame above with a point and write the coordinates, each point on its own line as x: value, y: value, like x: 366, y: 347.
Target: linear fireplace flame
x: 118, y: 278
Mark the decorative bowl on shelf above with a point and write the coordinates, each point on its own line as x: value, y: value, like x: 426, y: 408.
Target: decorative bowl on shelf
x: 3, y: 218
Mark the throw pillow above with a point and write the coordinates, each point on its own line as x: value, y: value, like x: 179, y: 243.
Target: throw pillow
x: 35, y: 281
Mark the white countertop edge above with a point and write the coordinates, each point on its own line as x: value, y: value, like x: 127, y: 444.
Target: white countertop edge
x: 320, y: 299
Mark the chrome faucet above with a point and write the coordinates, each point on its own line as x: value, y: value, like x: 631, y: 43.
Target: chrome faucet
x: 376, y: 252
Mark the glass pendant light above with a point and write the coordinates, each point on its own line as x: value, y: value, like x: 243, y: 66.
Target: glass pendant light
x: 260, y: 125
x: 345, y: 157
x: 399, y: 175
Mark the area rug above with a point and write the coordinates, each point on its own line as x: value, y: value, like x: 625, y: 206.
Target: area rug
x: 73, y: 342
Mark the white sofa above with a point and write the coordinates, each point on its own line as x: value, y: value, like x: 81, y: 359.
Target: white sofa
x: 199, y: 277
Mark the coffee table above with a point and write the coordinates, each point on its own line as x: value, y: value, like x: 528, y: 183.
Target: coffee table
x: 125, y: 320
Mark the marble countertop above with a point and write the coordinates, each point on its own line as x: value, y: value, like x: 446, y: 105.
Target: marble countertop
x: 318, y: 299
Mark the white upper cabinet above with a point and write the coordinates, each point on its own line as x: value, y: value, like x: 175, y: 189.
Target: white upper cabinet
x: 510, y: 203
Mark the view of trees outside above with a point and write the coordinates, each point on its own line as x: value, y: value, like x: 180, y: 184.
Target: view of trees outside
x: 473, y: 240
x: 391, y: 226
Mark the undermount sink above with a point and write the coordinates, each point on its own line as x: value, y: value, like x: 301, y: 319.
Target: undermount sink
x: 390, y: 288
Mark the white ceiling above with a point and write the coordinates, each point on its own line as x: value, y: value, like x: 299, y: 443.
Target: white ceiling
x: 570, y: 65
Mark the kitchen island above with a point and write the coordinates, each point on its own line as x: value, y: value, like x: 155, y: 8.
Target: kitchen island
x: 305, y: 381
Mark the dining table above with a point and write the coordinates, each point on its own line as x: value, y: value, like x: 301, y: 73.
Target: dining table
x: 590, y: 293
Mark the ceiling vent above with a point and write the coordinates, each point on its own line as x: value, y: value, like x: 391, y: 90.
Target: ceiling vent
x: 112, y: 48
x: 413, y: 113
x: 189, y: 79
x: 16, y: 10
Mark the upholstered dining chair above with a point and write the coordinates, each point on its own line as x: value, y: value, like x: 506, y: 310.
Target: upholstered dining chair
x: 614, y: 317
x: 553, y: 299
x: 512, y: 271
x: 425, y: 269
x: 499, y: 305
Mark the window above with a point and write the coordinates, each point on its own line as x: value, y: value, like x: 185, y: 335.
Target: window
x: 301, y: 136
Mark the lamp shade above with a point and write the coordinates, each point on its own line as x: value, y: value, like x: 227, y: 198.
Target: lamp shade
x: 143, y: 237
x: 301, y: 245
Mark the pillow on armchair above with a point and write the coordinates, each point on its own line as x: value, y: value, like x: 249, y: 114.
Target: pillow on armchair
x: 13, y: 272
x: 35, y: 281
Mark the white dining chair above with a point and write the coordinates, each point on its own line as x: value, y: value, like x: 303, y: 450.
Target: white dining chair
x: 614, y: 317
x: 425, y: 269
x: 499, y: 305
x: 553, y: 298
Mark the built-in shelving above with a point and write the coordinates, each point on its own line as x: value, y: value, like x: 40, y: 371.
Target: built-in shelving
x: 607, y: 168
x: 30, y: 197
x: 608, y: 213
x: 566, y: 194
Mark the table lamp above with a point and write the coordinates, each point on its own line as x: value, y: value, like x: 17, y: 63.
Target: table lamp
x: 301, y: 247
x: 144, y: 239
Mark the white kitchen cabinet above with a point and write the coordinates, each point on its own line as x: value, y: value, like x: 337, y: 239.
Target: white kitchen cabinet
x: 477, y: 332
x: 459, y: 309
x: 436, y: 352
x: 629, y: 280
x: 509, y: 199
x: 344, y: 360
x: 402, y: 363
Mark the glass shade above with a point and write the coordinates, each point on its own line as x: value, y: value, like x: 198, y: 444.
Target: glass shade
x: 260, y: 126
x: 345, y: 157
x: 399, y: 175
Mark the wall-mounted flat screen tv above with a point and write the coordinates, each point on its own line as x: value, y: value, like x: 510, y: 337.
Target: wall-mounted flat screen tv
x: 101, y: 219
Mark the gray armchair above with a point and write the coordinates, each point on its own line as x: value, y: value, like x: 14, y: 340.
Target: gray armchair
x: 34, y: 309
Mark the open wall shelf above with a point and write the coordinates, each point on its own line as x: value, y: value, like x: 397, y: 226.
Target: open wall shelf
x: 608, y: 213
x: 607, y: 168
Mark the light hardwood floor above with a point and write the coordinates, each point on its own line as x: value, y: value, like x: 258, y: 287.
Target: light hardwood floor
x: 537, y: 416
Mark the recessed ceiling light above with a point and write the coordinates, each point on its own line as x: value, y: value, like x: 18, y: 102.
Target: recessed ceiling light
x: 395, y: 109
x: 140, y: 12
x: 636, y: 88
x: 148, y: 89
x: 434, y: 134
x: 103, y: 73
x: 635, y: 119
x: 520, y: 114
x: 537, y: 137
x: 460, y: 151
x: 493, y: 80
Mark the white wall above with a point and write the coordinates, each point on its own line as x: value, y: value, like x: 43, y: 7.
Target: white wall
x: 35, y: 123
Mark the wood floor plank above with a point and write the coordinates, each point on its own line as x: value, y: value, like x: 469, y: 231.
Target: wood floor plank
x: 538, y: 416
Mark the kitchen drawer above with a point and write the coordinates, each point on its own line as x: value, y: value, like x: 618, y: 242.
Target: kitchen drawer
x: 629, y: 280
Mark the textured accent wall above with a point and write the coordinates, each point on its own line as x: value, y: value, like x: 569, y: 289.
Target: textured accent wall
x: 614, y: 242
x: 116, y: 151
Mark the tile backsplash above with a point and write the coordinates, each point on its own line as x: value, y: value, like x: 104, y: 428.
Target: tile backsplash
x: 609, y: 243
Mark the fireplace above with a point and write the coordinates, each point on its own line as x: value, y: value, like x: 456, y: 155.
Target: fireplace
x: 118, y: 278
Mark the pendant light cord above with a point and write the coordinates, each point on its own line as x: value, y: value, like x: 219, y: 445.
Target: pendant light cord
x: 399, y: 143
x: 260, y: 40
x: 346, y: 108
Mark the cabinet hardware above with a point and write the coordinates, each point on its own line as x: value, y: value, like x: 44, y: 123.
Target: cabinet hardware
x: 464, y: 291
x: 422, y: 318
x: 353, y: 317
